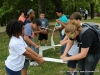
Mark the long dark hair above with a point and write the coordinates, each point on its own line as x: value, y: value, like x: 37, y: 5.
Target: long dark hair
x: 14, y: 28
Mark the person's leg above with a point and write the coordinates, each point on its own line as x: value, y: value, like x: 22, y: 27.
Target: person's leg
x: 85, y: 17
x: 32, y: 62
x: 25, y: 68
x: 40, y: 38
x: 72, y: 67
x: 90, y: 63
x: 46, y: 39
x: 64, y: 46
x: 10, y: 72
x: 81, y: 66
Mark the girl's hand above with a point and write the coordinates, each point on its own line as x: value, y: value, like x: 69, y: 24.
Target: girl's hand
x: 40, y: 56
x: 41, y: 61
x: 64, y: 59
x: 62, y: 56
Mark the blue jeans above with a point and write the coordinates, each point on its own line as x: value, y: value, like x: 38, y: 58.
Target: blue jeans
x: 10, y: 72
x: 63, y: 47
x: 32, y: 47
x: 87, y: 65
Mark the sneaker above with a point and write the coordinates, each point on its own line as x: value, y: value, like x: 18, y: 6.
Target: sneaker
x: 34, y: 63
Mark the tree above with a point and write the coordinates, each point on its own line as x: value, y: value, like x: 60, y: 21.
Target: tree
x: 41, y: 6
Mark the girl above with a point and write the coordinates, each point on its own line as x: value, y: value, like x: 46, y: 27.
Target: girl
x: 18, y: 49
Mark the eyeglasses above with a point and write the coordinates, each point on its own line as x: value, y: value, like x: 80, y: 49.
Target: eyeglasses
x: 72, y: 35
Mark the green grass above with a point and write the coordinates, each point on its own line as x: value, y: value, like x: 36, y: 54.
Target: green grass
x: 48, y: 68
x: 96, y: 19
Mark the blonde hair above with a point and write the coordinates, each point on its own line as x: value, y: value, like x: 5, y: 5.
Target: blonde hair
x: 72, y: 26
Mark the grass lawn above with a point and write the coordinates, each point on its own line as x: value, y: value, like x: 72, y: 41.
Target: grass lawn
x: 96, y: 19
x: 48, y: 68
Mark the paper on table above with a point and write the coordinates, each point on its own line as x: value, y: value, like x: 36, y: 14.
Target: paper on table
x: 53, y: 60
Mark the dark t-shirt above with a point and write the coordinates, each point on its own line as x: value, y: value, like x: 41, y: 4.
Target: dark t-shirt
x: 27, y: 21
x: 89, y: 39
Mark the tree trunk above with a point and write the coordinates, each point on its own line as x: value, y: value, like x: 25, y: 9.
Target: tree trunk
x: 92, y: 10
x: 57, y: 3
x: 41, y: 6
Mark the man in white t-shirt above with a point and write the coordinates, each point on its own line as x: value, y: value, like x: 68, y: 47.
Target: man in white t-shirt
x: 86, y: 14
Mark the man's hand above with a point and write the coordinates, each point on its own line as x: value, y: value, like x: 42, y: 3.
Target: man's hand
x: 36, y: 47
x: 55, y: 30
x: 45, y: 32
x: 57, y: 20
x: 41, y: 31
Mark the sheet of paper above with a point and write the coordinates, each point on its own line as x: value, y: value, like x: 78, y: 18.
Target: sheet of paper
x: 53, y: 60
x: 57, y: 45
x: 52, y: 42
x: 45, y: 47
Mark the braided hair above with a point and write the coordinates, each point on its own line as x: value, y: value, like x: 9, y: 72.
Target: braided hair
x: 14, y: 28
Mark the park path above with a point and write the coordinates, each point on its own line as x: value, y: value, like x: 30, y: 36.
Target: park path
x: 3, y: 29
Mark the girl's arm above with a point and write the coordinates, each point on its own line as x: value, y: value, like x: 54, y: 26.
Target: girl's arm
x: 33, y: 55
x: 68, y: 46
x: 79, y: 56
x: 64, y: 41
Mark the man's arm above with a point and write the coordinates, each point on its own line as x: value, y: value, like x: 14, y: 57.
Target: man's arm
x: 27, y: 40
x: 60, y: 28
x: 63, y: 24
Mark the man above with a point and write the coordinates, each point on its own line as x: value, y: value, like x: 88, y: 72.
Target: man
x: 62, y: 18
x: 89, y: 46
x: 86, y: 14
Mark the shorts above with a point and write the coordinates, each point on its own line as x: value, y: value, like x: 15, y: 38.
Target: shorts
x: 26, y: 64
x: 72, y: 63
x: 10, y: 72
x: 43, y: 36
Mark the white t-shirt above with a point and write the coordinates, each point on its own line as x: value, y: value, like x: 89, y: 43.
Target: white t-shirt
x: 15, y: 60
x: 74, y: 49
x: 86, y: 12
